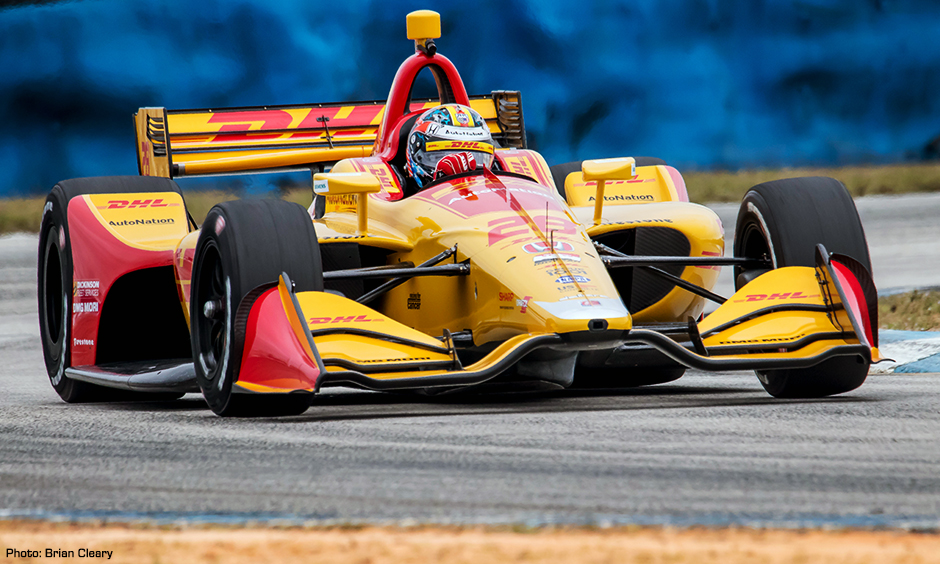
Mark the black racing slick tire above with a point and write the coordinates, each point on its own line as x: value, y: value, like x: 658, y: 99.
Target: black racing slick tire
x: 244, y: 245
x: 783, y: 221
x: 54, y: 280
x: 561, y: 171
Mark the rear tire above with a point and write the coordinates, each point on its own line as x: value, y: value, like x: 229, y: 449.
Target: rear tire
x: 783, y: 221
x: 243, y: 245
x: 55, y: 282
x: 561, y: 171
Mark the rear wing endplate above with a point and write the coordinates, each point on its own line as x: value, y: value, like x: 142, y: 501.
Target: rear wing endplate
x: 174, y: 143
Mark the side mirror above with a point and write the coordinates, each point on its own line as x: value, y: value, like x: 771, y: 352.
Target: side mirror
x: 343, y: 183
x: 603, y: 170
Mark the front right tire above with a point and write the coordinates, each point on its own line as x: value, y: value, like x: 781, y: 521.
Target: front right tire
x: 783, y: 221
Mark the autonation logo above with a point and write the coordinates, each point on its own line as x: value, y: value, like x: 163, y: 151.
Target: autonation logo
x: 129, y: 222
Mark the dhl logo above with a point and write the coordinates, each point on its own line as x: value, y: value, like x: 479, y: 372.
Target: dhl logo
x: 341, y: 319
x: 609, y: 183
x: 127, y: 204
x: 465, y: 145
x: 784, y: 296
x: 526, y: 165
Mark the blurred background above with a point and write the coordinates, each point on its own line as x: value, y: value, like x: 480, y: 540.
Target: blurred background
x: 704, y: 84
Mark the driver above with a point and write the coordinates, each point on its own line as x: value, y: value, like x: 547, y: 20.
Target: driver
x: 447, y: 140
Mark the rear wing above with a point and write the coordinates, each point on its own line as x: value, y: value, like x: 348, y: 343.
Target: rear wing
x: 174, y: 143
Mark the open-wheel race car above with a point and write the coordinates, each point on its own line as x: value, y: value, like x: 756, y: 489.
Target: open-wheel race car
x: 502, y: 272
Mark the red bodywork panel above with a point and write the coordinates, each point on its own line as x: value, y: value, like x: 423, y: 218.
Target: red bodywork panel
x: 274, y: 359
x: 98, y: 256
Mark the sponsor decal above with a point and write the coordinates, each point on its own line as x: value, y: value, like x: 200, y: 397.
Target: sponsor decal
x: 626, y: 198
x: 461, y: 145
x: 765, y: 340
x: 506, y: 296
x: 590, y: 303
x: 580, y: 296
x: 571, y: 280
x: 86, y: 288
x: 567, y: 257
x: 462, y: 117
x: 523, y: 303
x: 219, y: 225
x: 341, y: 319
x: 565, y: 271
x: 127, y: 204
x: 130, y: 222
x: 46, y: 208
x: 83, y: 342
x: 414, y: 301
x: 638, y: 221
x: 85, y: 307
x: 784, y: 296
x: 539, y: 247
x: 405, y: 359
x: 457, y: 132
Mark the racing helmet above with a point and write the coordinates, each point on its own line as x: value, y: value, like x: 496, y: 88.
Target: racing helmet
x: 445, y: 130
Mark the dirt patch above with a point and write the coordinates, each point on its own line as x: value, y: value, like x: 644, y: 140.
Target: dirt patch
x: 378, y: 545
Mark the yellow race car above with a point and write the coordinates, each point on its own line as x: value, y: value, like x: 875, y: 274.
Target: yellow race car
x: 439, y: 254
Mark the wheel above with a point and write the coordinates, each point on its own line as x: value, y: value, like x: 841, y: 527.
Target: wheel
x: 783, y: 221
x: 243, y: 245
x: 561, y: 171
x: 54, y: 281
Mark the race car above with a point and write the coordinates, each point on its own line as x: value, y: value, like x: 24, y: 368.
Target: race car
x: 504, y: 274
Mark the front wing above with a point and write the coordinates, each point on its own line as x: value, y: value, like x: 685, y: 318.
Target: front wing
x: 793, y: 317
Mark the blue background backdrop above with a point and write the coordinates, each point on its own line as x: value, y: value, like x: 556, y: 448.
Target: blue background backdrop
x: 701, y: 83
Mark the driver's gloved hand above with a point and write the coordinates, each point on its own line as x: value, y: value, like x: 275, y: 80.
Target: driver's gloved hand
x: 455, y: 164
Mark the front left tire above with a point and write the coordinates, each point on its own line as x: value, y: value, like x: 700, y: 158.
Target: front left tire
x: 243, y: 246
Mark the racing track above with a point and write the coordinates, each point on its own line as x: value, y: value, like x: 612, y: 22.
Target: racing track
x: 709, y: 449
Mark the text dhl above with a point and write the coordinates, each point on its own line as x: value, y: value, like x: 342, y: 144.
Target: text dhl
x: 342, y: 319
x: 125, y: 204
x: 784, y: 296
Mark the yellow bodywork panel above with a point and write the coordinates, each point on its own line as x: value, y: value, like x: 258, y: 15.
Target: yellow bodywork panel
x: 651, y: 184
x: 154, y: 221
x: 347, y: 330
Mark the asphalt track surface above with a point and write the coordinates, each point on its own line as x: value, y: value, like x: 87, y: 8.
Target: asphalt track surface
x: 708, y: 449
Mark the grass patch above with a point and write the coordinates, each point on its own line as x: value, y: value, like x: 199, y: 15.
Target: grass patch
x: 860, y: 180
x: 913, y: 311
